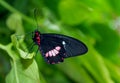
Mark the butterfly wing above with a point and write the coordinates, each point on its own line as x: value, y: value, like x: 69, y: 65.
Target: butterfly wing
x: 64, y: 45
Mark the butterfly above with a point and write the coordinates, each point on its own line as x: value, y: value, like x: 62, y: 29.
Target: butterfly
x: 56, y: 47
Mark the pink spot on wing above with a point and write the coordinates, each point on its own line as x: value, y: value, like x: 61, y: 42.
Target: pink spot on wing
x: 58, y: 48
x: 46, y: 55
x: 55, y: 51
x: 50, y: 53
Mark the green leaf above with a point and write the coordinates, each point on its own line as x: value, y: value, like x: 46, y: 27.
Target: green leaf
x: 114, y: 70
x: 94, y: 63
x: 115, y: 5
x: 75, y: 71
x: 73, y: 12
x: 20, y: 74
x: 109, y: 43
x: 23, y: 70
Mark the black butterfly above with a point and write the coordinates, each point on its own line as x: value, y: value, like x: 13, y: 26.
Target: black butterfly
x: 55, y: 47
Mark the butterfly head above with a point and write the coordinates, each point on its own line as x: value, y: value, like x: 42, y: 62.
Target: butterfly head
x: 36, y: 37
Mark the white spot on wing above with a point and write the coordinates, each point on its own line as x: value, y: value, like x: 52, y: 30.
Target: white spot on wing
x: 63, y: 42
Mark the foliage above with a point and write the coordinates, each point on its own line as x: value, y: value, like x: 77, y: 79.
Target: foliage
x: 96, y: 23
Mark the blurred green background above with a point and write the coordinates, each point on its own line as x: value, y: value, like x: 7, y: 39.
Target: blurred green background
x: 95, y: 22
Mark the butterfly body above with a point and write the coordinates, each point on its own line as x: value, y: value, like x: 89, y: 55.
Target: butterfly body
x: 36, y: 38
x: 55, y: 47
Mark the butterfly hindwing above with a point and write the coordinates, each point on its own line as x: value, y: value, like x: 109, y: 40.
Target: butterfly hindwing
x: 68, y: 47
x: 52, y: 49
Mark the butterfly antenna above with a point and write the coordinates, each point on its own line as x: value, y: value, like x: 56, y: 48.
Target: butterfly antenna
x: 35, y: 17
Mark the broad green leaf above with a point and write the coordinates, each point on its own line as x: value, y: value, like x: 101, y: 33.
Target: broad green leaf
x: 73, y: 12
x: 115, y: 5
x: 23, y: 70
x: 109, y: 43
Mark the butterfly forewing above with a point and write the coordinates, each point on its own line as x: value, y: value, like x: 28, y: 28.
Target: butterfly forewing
x: 73, y: 47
